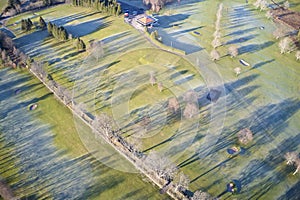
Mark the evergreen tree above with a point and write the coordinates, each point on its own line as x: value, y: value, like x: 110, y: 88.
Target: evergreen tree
x: 29, y: 25
x: 23, y: 25
x: 50, y: 28
x: 82, y: 45
x: 42, y: 23
x: 119, y: 10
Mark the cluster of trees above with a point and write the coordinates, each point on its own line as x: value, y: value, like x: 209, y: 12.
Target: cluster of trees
x: 26, y: 24
x: 190, y: 99
x: 161, y: 166
x: 13, y: 7
x: 287, y: 42
x: 10, y: 56
x: 110, y: 7
x: 57, y: 32
x: 215, y: 55
x: 17, y: 6
x: 283, y: 33
x: 292, y: 158
x: 156, y: 5
x: 153, y: 81
x: 261, y: 4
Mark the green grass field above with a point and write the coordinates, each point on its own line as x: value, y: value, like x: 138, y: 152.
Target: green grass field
x: 63, y: 148
x: 253, y: 100
x: 264, y: 97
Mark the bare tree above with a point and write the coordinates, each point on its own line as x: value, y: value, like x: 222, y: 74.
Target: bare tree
x: 215, y: 55
x: 286, y: 45
x: 199, y: 195
x: 60, y: 91
x: 136, y: 143
x: 297, y: 55
x: 67, y: 96
x: 181, y: 181
x: 152, y: 78
x: 237, y: 71
x: 269, y: 14
x: 286, y: 5
x: 80, y: 108
x: 96, y: 49
x: 190, y: 97
x: 297, y: 163
x: 160, y: 86
x: 160, y: 165
x: 103, y: 124
x: 38, y: 69
x: 279, y: 32
x: 291, y: 157
x: 245, y: 136
x: 173, y: 104
x: 191, y: 110
x: 233, y: 51
x: 216, y: 43
x: 3, y: 55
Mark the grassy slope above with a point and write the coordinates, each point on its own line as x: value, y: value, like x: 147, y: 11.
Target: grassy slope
x: 66, y: 140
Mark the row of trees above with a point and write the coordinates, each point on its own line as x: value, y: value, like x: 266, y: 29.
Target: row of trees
x: 26, y: 24
x: 58, y: 32
x: 215, y: 55
x: 110, y: 7
x: 39, y: 69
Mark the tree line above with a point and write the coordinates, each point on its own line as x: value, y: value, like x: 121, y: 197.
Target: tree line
x: 110, y: 7
x: 27, y: 24
x: 58, y: 32
x: 10, y: 56
x: 17, y: 6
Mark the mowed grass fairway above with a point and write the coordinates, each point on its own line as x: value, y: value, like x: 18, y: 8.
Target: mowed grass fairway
x: 264, y: 98
x: 42, y: 155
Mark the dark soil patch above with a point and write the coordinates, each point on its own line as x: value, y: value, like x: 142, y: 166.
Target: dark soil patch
x: 289, y: 17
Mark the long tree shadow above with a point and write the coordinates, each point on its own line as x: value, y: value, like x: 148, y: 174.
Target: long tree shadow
x: 254, y: 47
x: 260, y: 64
x: 86, y: 28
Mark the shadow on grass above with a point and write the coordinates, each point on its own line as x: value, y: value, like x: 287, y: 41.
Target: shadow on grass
x: 85, y: 28
x: 260, y: 64
x: 251, y: 48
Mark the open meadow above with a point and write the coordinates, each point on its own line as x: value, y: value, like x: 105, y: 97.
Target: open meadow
x: 132, y: 80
